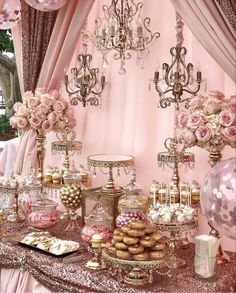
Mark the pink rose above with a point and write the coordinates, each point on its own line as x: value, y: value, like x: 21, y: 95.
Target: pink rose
x: 71, y: 123
x: 55, y: 94
x: 52, y: 117
x: 181, y: 118
x: 22, y: 122
x: 40, y: 91
x: 17, y: 106
x: 13, y: 121
x: 35, y: 121
x: 61, y: 124
x: 23, y: 111
x: 216, y: 95
x: 196, y: 103
x: 232, y: 104
x: 33, y: 102
x: 45, y: 99
x: 26, y: 96
x: 194, y: 120
x: 230, y: 133
x: 43, y: 108
x: 226, y: 118
x: 46, y: 126
x: 189, y: 137
x: 212, y: 105
x: 203, y: 133
x: 59, y: 106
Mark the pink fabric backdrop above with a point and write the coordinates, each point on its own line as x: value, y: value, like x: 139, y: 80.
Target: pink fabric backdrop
x: 207, y: 24
x: 16, y: 281
x: 129, y: 121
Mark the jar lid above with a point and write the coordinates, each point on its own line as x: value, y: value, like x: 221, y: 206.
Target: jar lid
x: 45, y: 202
x: 98, y: 215
x: 130, y: 202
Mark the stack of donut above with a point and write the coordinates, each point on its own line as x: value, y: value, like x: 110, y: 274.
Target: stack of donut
x: 137, y: 241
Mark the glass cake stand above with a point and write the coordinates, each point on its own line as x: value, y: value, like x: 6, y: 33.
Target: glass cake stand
x: 175, y: 231
x: 138, y: 274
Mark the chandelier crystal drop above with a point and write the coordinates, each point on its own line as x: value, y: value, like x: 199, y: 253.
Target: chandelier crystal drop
x: 178, y: 77
x: 84, y: 86
x: 122, y: 31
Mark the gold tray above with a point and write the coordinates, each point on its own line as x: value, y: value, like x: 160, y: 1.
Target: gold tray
x: 18, y: 240
x: 148, y: 264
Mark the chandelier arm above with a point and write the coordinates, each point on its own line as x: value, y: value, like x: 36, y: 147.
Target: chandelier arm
x: 193, y: 92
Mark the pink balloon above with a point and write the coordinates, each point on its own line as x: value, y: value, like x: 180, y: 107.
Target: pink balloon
x: 46, y: 5
x: 10, y: 14
x: 218, y: 197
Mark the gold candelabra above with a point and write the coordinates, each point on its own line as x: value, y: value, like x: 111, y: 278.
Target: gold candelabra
x: 122, y: 30
x: 173, y: 157
x: 178, y: 76
x: 84, y: 85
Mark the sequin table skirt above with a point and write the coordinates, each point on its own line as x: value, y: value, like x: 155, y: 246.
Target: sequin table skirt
x: 58, y: 277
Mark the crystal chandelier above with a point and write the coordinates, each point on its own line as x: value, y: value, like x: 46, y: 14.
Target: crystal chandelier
x: 122, y: 30
x: 84, y: 85
x: 177, y: 77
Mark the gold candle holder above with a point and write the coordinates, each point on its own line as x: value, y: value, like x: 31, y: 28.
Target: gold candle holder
x: 96, y: 248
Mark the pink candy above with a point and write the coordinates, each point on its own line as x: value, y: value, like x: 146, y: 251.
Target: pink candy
x: 90, y: 229
x: 126, y: 217
x: 43, y: 219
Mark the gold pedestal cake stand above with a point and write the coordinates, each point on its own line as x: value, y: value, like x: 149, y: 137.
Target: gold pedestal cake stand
x: 175, y: 231
x: 138, y: 274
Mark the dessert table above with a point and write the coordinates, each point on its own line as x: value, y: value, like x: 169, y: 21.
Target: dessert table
x: 27, y: 270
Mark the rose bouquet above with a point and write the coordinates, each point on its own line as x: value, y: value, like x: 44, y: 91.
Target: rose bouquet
x: 209, y: 123
x: 43, y: 112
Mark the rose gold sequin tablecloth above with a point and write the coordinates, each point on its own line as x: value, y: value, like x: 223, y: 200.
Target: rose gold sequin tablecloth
x: 58, y: 277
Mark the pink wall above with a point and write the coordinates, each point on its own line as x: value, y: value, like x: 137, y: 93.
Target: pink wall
x: 129, y: 121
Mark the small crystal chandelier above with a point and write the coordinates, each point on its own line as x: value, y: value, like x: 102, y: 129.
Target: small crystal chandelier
x: 84, y: 85
x: 177, y: 78
x: 123, y: 31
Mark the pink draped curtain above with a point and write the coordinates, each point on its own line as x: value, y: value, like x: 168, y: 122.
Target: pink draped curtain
x: 59, y: 53
x: 210, y: 28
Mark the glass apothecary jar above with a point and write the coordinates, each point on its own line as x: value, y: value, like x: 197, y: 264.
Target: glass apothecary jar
x: 130, y: 208
x: 43, y: 214
x: 98, y: 222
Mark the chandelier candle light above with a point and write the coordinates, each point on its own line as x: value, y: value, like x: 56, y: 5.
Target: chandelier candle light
x: 177, y: 77
x: 84, y: 82
x: 122, y: 30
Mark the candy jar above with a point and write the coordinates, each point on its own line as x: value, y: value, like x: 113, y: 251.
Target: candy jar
x: 135, y: 188
x: 70, y: 195
x: 98, y: 222
x: 43, y: 214
x: 130, y: 208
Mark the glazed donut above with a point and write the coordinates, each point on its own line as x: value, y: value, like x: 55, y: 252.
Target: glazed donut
x: 137, y: 224
x: 136, y: 249
x: 113, y: 242
x: 130, y: 240
x: 117, y: 231
x: 124, y: 229
x: 148, y: 241
x: 108, y: 244
x: 121, y: 246
x: 159, y: 246
x: 157, y: 236
x: 157, y: 254
x: 149, y: 230
x: 141, y: 256
x: 135, y: 233
x: 112, y: 250
x: 118, y: 237
x: 123, y: 254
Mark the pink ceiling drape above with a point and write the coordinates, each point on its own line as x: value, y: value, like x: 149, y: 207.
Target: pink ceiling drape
x: 59, y: 53
x: 209, y: 27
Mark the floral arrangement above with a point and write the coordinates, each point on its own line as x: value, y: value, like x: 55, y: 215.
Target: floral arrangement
x: 43, y: 111
x: 210, y: 122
